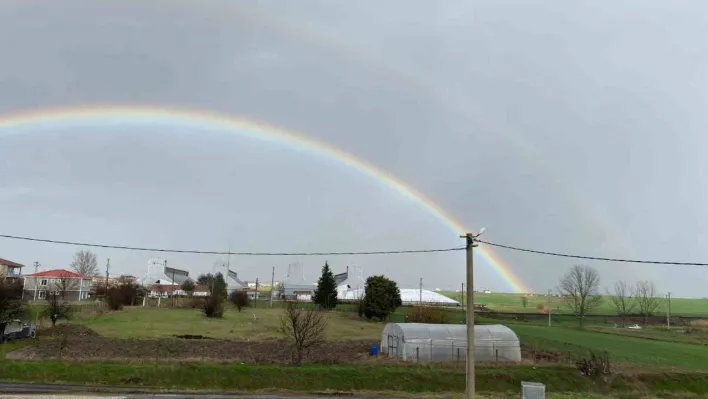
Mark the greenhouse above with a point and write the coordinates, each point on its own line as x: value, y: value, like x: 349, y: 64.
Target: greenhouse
x: 409, y: 296
x: 448, y: 342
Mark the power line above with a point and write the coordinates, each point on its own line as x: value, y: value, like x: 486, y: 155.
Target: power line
x: 392, y: 252
x: 189, y: 251
x: 619, y: 260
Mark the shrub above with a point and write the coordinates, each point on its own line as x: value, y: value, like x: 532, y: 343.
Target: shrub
x: 595, y: 366
x: 114, y: 299
x: 126, y: 293
x: 239, y: 299
x: 213, y: 307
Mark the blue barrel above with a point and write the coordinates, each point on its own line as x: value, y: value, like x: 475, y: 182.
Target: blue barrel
x: 374, y: 350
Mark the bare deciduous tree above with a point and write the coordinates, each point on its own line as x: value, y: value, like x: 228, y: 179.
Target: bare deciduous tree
x: 647, y: 298
x: 304, y: 327
x: 85, y: 263
x: 580, y: 286
x: 622, y: 299
x: 58, y: 307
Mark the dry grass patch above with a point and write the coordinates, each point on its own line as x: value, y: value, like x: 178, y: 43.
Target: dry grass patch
x: 250, y: 324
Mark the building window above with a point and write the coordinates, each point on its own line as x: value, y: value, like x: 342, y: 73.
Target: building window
x: 43, y: 282
x: 42, y: 294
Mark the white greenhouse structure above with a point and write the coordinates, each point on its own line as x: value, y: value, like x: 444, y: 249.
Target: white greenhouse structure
x: 448, y: 342
x: 409, y: 296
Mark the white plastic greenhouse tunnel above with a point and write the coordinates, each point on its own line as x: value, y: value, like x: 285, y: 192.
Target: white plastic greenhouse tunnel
x: 448, y: 342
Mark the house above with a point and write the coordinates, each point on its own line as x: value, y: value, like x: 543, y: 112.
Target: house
x: 72, y: 286
x: 10, y: 269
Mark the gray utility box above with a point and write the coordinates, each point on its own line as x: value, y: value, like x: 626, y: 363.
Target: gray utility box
x: 533, y: 390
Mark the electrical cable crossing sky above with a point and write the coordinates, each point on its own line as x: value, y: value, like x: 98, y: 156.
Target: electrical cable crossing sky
x: 391, y: 252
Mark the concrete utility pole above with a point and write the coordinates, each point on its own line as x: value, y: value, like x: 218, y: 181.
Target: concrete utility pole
x: 173, y: 288
x: 421, y: 291
x: 668, y: 311
x: 255, y: 295
x: 272, y: 286
x: 108, y: 266
x: 36, y: 280
x: 471, y: 242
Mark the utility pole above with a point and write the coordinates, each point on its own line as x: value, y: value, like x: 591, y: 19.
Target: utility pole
x: 421, y: 291
x: 549, y: 316
x: 462, y: 296
x: 108, y: 266
x: 36, y: 280
x: 471, y: 242
x: 668, y: 311
x: 272, y: 286
x: 255, y: 296
x: 173, y: 288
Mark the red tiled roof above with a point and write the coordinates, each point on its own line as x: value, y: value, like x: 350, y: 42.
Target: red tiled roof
x: 10, y: 263
x: 58, y: 273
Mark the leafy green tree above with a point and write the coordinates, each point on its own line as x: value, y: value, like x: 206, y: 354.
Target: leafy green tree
x: 215, y: 283
x: 381, y: 297
x: 326, y: 292
x: 214, y: 303
x: 11, y: 306
x: 188, y: 287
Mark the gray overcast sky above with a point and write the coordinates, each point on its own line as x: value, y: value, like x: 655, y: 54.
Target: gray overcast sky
x: 574, y: 126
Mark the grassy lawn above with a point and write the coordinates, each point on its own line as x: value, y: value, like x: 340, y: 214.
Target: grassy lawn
x: 695, y: 336
x: 251, y: 323
x: 316, y: 378
x: 622, y: 348
x: 512, y: 303
x: 627, y: 347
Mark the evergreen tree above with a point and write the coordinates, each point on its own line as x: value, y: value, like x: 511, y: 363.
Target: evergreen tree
x: 326, y: 292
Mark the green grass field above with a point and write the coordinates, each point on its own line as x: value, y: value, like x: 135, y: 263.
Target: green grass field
x: 258, y: 323
x: 321, y: 378
x: 622, y: 348
x: 502, y: 302
x: 652, y: 360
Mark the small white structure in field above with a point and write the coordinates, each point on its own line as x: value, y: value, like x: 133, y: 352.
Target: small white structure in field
x: 533, y: 390
x: 448, y: 342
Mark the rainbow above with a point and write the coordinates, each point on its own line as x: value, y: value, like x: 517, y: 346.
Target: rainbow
x: 92, y: 116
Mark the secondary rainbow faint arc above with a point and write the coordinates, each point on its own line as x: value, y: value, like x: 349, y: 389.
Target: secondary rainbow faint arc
x: 92, y: 116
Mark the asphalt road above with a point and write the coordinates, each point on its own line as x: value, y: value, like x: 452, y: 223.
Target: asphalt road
x: 47, y: 391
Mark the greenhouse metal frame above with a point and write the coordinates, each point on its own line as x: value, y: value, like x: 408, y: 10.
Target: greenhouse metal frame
x: 448, y: 342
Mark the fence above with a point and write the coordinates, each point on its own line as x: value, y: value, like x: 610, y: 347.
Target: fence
x: 497, y: 349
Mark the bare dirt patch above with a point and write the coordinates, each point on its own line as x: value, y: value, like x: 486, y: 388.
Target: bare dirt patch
x: 542, y: 356
x: 89, y: 347
x: 72, y: 330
